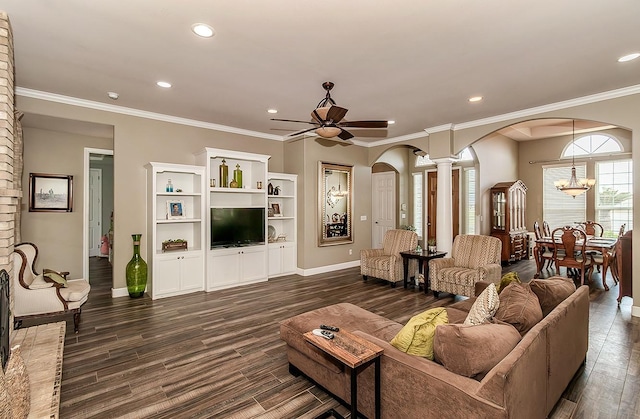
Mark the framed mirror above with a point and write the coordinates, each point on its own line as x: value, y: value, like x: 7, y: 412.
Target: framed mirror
x: 334, y: 204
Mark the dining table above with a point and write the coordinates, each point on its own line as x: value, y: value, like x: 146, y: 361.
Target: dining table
x: 604, y: 245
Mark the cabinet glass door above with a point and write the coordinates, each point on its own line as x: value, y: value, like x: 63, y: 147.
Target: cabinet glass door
x: 499, y: 211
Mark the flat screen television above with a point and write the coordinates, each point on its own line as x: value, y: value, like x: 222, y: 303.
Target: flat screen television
x: 231, y: 227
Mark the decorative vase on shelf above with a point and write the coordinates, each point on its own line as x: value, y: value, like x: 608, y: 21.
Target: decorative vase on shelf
x: 233, y: 184
x: 276, y: 190
x: 136, y: 271
x: 270, y: 189
x: 237, y: 176
x: 224, y: 174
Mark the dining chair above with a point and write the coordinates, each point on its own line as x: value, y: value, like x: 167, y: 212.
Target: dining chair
x: 611, y: 262
x: 573, y: 241
x: 546, y: 253
x: 546, y: 230
x: 591, y: 228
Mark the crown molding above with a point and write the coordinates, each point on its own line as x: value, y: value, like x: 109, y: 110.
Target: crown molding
x: 584, y: 100
x: 393, y: 140
x: 68, y: 100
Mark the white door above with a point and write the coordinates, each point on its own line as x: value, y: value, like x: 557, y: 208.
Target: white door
x: 95, y: 211
x: 383, y: 206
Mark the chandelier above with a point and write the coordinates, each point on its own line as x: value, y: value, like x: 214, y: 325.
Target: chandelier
x: 574, y: 186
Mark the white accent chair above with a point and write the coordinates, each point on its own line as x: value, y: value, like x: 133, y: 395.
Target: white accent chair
x: 34, y: 297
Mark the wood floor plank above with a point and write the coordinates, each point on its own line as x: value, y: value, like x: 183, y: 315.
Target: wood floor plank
x: 219, y: 354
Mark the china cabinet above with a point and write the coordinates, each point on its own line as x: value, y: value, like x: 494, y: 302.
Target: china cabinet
x: 508, y: 208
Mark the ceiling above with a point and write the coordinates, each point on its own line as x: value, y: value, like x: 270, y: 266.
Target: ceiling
x: 415, y: 62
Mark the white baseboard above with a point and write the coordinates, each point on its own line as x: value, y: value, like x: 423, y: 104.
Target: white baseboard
x: 328, y: 268
x: 119, y: 292
x: 635, y: 311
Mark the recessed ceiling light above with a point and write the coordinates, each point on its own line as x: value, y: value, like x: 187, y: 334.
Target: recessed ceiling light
x: 113, y: 95
x: 391, y: 122
x: 203, y: 30
x: 272, y: 110
x: 164, y: 84
x: 629, y: 57
x: 475, y: 99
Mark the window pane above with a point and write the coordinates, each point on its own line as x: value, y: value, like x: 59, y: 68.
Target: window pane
x: 470, y: 208
x: 560, y: 209
x: 417, y: 203
x: 614, y: 196
x: 592, y: 144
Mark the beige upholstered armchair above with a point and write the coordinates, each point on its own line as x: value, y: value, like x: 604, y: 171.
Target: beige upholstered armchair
x: 473, y: 258
x: 386, y: 263
x: 35, y: 297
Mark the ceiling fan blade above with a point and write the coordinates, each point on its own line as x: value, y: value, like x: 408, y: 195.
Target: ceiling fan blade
x: 301, y: 132
x: 345, y: 135
x: 364, y: 124
x: 336, y: 113
x: 292, y: 120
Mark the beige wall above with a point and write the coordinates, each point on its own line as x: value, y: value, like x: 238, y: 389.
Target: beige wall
x: 57, y: 235
x: 497, y: 162
x: 399, y: 159
x: 136, y: 142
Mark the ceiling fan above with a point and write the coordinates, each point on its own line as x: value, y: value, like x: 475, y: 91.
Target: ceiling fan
x: 327, y: 119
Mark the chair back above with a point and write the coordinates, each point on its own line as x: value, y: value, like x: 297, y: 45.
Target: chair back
x: 473, y: 251
x: 24, y: 260
x: 621, y: 231
x: 396, y: 241
x: 574, y: 242
x: 537, y: 230
x: 546, y: 230
x: 591, y: 228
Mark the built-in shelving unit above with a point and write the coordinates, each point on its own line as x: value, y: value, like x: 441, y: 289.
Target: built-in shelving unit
x: 229, y: 265
x: 282, y: 192
x: 181, y: 271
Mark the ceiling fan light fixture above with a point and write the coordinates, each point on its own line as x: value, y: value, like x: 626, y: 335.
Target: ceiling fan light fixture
x: 328, y: 132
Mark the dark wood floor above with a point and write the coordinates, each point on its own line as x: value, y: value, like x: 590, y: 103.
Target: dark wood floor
x: 219, y: 355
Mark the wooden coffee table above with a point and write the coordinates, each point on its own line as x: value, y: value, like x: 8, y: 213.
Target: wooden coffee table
x: 356, y: 354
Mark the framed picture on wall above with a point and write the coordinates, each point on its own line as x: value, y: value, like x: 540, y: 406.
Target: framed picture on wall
x: 50, y: 193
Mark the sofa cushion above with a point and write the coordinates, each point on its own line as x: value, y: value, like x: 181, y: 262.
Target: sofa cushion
x: 519, y: 306
x: 508, y: 278
x: 416, y: 337
x: 470, y: 350
x: 456, y: 316
x: 484, y: 307
x: 552, y: 291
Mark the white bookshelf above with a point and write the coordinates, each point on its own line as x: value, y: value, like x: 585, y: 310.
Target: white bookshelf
x: 179, y: 271
x: 283, y: 243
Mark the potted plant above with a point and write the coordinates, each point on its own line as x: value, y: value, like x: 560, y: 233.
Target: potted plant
x: 431, y: 245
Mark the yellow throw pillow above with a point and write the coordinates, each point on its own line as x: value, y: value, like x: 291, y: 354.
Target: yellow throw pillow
x: 55, y: 277
x: 416, y: 337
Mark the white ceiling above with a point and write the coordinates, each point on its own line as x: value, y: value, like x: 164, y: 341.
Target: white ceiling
x: 416, y: 62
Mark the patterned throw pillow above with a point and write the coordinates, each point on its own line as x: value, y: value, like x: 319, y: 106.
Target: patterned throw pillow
x: 485, y: 306
x: 16, y: 380
x: 416, y: 337
x: 508, y: 278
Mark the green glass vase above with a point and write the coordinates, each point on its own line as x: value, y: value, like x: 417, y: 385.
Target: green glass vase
x: 136, y: 270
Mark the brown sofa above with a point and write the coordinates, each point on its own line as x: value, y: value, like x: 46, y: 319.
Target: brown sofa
x: 527, y: 383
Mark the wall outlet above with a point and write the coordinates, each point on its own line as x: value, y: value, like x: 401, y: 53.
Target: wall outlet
x: 350, y: 251
x: 363, y: 218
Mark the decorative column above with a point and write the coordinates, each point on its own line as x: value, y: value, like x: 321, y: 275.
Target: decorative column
x: 8, y: 193
x: 444, y: 224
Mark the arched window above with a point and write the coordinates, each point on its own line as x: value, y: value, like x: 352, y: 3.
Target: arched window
x: 592, y: 144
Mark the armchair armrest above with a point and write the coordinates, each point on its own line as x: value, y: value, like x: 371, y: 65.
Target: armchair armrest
x: 441, y: 263
x: 491, y: 272
x: 367, y: 253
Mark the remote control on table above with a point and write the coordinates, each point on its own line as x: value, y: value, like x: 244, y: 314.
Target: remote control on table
x: 331, y: 328
x: 323, y: 333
